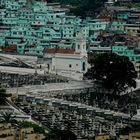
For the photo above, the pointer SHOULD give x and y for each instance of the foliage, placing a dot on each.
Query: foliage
(56, 134)
(37, 129)
(113, 72)
(8, 118)
(129, 128)
(81, 6)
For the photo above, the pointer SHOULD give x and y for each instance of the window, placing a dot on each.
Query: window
(70, 65)
(84, 46)
(83, 66)
(78, 47)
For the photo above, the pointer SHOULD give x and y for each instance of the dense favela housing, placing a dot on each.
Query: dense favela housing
(39, 28)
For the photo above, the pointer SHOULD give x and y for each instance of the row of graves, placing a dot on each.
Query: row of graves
(18, 80)
(83, 120)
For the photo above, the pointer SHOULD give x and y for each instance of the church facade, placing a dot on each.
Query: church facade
(71, 64)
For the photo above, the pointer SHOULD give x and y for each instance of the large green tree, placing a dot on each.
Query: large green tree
(80, 7)
(113, 72)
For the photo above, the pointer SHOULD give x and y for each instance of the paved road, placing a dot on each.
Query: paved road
(71, 85)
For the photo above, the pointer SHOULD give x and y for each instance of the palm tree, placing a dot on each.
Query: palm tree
(7, 117)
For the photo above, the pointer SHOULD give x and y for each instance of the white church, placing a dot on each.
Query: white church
(72, 65)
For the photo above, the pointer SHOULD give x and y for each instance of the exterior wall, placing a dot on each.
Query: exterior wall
(84, 29)
(118, 26)
(68, 31)
(130, 136)
(73, 75)
(12, 5)
(67, 63)
(6, 132)
(20, 48)
(123, 137)
(119, 49)
(123, 15)
(35, 51)
(132, 30)
(81, 45)
(124, 51)
(134, 136)
(29, 134)
(8, 138)
(2, 41)
(25, 131)
(13, 40)
(34, 137)
(102, 137)
(97, 25)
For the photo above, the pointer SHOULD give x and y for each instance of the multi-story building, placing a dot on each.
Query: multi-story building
(132, 29)
(7, 132)
(26, 23)
(125, 51)
(28, 133)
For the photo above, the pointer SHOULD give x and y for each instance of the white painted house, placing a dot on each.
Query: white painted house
(74, 63)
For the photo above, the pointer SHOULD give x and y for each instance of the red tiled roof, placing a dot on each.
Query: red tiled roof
(103, 18)
(10, 48)
(59, 50)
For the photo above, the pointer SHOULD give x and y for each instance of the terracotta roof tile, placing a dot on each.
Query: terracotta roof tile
(59, 50)
(10, 48)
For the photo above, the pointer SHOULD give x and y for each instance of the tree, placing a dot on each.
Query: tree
(36, 128)
(115, 73)
(8, 118)
(80, 7)
(56, 134)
